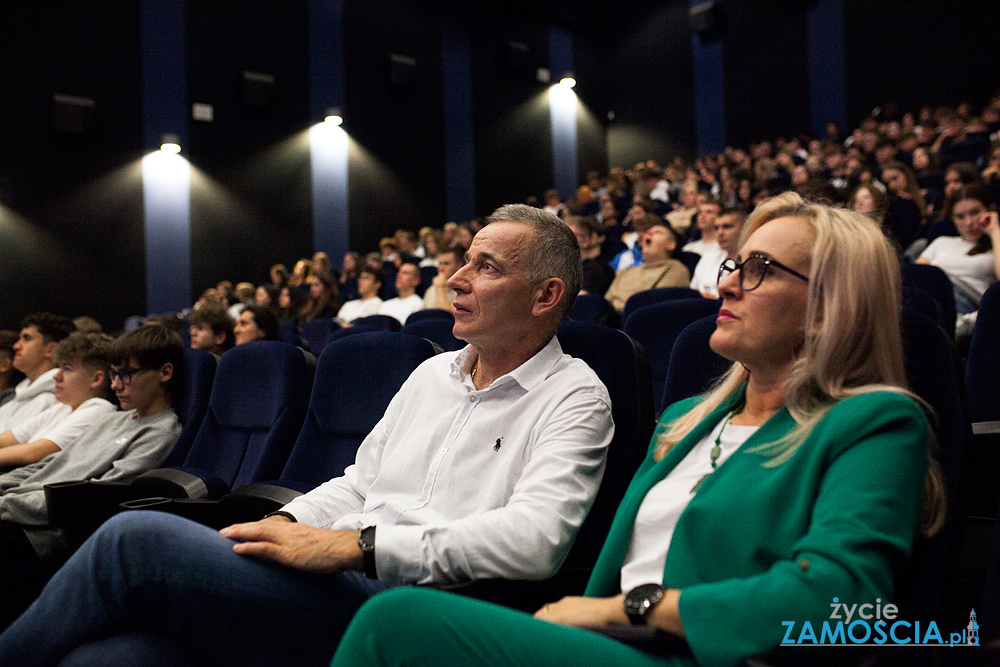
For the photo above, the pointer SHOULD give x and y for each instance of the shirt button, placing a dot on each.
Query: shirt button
(472, 399)
(444, 450)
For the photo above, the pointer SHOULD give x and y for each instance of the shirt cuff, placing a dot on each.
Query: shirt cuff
(397, 554)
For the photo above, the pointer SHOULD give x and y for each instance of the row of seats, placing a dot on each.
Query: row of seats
(433, 324)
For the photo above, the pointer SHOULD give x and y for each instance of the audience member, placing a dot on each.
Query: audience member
(40, 333)
(8, 374)
(369, 283)
(267, 296)
(117, 447)
(243, 294)
(727, 234)
(323, 298)
(348, 279)
(408, 279)
(301, 273)
(256, 323)
(81, 386)
(657, 269)
(439, 295)
(279, 276)
(708, 211)
(290, 303)
(414, 508)
(211, 328)
(87, 324)
(590, 235)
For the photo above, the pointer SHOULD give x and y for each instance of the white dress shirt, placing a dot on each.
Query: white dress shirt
(353, 310)
(467, 484)
(401, 308)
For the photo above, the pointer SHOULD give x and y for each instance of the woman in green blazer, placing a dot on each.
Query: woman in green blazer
(799, 479)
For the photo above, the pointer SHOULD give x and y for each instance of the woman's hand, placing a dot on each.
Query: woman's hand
(990, 224)
(583, 612)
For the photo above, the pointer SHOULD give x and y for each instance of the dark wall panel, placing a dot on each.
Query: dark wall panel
(765, 70)
(70, 204)
(651, 83)
(921, 53)
(397, 175)
(512, 125)
(250, 192)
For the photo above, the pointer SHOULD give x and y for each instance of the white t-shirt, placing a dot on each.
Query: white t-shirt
(401, 308)
(666, 501)
(706, 273)
(971, 275)
(353, 310)
(701, 247)
(60, 424)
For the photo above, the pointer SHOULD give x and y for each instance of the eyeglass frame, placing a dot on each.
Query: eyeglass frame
(730, 265)
(126, 376)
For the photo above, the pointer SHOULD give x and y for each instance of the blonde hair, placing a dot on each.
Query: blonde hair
(852, 342)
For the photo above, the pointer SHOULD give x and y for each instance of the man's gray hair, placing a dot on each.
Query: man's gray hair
(554, 252)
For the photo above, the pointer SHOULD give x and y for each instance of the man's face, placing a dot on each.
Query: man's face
(74, 383)
(727, 233)
(31, 353)
(657, 244)
(447, 264)
(407, 278)
(583, 237)
(367, 285)
(707, 213)
(494, 297)
(203, 338)
(143, 388)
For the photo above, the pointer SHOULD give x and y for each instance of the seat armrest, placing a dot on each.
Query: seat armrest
(253, 501)
(168, 483)
(83, 503)
(985, 428)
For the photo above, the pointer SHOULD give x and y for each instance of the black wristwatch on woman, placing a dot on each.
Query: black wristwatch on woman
(640, 601)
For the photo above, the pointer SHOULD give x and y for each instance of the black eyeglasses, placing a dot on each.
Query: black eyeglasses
(125, 374)
(753, 270)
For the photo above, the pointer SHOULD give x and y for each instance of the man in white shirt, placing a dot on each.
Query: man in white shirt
(369, 283)
(33, 356)
(727, 235)
(407, 281)
(484, 465)
(708, 211)
(81, 384)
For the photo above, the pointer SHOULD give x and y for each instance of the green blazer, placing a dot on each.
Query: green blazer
(759, 545)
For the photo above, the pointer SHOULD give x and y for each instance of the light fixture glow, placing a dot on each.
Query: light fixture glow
(567, 80)
(171, 144)
(333, 116)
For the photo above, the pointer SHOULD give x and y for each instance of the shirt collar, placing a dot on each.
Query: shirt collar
(528, 375)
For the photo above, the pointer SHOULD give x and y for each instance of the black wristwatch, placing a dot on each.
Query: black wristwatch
(366, 540)
(640, 600)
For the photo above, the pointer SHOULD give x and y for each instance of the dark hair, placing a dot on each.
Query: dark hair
(330, 297)
(591, 224)
(272, 292)
(266, 321)
(214, 316)
(150, 346)
(169, 321)
(7, 340)
(981, 195)
(51, 327)
(377, 274)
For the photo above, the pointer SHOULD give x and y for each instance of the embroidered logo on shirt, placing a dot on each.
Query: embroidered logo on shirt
(496, 447)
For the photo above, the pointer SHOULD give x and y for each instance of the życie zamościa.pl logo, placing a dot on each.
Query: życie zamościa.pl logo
(875, 625)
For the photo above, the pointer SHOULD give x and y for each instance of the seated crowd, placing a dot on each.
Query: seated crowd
(805, 473)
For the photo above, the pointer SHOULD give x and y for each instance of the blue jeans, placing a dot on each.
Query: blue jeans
(154, 572)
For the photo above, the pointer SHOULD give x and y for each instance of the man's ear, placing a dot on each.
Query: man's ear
(97, 379)
(219, 338)
(548, 296)
(166, 372)
(50, 348)
(6, 364)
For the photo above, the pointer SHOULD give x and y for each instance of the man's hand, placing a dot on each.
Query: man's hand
(297, 545)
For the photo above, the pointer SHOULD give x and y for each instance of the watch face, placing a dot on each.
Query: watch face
(641, 599)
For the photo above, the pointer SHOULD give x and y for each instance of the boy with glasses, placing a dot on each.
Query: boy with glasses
(117, 447)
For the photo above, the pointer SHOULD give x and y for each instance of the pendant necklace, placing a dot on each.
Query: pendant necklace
(716, 450)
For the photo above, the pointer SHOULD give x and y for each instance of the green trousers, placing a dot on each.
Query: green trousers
(410, 626)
